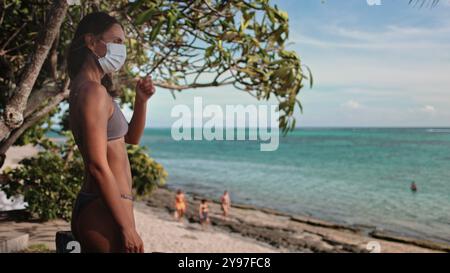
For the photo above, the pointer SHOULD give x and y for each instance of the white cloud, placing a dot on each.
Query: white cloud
(430, 109)
(352, 104)
(406, 64)
(391, 37)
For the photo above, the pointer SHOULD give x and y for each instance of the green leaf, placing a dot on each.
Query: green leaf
(310, 76)
(288, 54)
(145, 16)
(209, 51)
(282, 15)
(171, 21)
(156, 30)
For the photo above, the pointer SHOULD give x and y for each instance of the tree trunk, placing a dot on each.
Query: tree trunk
(31, 119)
(13, 115)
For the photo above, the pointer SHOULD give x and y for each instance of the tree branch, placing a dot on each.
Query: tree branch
(13, 114)
(35, 117)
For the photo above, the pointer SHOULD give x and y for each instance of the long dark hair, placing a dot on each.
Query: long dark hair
(96, 23)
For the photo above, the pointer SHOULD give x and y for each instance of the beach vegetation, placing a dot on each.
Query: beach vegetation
(50, 181)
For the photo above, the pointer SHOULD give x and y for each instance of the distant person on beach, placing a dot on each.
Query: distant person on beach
(413, 187)
(180, 205)
(203, 212)
(103, 217)
(225, 203)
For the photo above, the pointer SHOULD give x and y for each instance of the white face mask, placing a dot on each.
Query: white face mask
(114, 58)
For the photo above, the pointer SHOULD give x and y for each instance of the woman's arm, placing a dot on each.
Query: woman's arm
(144, 90)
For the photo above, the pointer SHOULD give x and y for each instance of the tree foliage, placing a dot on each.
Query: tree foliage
(49, 181)
(184, 44)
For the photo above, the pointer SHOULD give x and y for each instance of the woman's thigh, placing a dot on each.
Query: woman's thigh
(97, 229)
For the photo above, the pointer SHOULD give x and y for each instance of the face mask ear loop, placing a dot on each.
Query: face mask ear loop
(98, 57)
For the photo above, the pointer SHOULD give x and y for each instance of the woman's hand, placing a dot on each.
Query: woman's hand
(145, 89)
(132, 241)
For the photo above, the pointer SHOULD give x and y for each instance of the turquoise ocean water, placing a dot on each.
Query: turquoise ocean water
(350, 176)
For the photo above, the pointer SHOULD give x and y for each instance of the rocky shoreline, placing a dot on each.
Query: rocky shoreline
(292, 233)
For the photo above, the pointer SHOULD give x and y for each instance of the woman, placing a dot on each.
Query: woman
(180, 205)
(203, 212)
(102, 219)
(225, 203)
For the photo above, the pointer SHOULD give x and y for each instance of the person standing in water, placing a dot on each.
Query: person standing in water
(225, 203)
(203, 213)
(180, 205)
(413, 187)
(103, 217)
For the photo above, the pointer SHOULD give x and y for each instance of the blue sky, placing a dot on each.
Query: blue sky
(373, 66)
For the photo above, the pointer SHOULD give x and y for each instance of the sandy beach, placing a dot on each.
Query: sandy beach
(161, 233)
(247, 229)
(158, 230)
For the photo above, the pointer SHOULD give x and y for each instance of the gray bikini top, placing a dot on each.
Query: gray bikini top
(117, 124)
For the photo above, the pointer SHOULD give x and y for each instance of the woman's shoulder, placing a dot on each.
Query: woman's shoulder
(94, 89)
(93, 93)
(92, 98)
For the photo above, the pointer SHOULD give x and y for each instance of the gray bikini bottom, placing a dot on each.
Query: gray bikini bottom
(85, 198)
